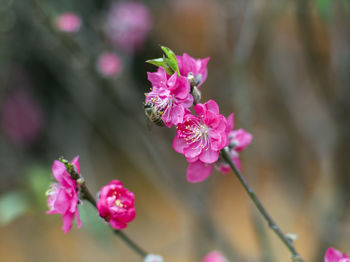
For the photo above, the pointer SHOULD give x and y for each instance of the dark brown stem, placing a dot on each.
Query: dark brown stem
(288, 243)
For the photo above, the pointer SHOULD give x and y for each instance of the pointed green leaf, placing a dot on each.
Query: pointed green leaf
(161, 63)
(156, 62)
(171, 60)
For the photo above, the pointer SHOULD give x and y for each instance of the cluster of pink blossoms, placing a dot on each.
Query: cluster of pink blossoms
(199, 136)
(116, 204)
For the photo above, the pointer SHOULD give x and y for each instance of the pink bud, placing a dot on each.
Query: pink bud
(68, 22)
(109, 64)
(116, 205)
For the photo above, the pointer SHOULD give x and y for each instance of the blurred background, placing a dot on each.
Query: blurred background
(73, 78)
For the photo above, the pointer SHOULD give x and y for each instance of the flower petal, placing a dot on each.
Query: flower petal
(198, 171)
(209, 156)
(67, 221)
(179, 144)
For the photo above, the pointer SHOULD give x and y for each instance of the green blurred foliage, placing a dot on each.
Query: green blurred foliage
(12, 205)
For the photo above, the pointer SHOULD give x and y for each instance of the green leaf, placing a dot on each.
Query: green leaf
(171, 60)
(12, 205)
(156, 62)
(161, 63)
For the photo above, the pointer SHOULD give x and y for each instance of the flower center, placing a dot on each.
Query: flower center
(196, 133)
(118, 203)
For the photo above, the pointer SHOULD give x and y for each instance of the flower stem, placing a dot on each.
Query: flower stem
(130, 243)
(289, 244)
(86, 194)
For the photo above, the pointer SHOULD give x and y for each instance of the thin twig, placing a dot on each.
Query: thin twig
(289, 244)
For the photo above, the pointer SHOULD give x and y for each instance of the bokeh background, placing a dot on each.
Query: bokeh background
(283, 67)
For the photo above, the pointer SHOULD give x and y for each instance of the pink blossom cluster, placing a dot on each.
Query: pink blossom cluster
(200, 136)
(116, 204)
(333, 255)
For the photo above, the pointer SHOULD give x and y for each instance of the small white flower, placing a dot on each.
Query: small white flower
(153, 258)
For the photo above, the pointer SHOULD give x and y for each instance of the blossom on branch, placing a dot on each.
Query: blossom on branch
(169, 96)
(238, 141)
(116, 205)
(63, 196)
(199, 170)
(195, 69)
(200, 138)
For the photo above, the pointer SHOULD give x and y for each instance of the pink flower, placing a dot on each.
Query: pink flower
(116, 204)
(68, 22)
(203, 136)
(333, 255)
(128, 25)
(214, 256)
(63, 196)
(170, 97)
(200, 138)
(197, 68)
(238, 141)
(109, 64)
(21, 118)
(198, 170)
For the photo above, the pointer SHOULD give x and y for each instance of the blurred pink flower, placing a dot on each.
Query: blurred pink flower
(116, 205)
(68, 22)
(109, 64)
(63, 196)
(128, 25)
(333, 255)
(238, 141)
(197, 68)
(214, 256)
(170, 97)
(21, 118)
